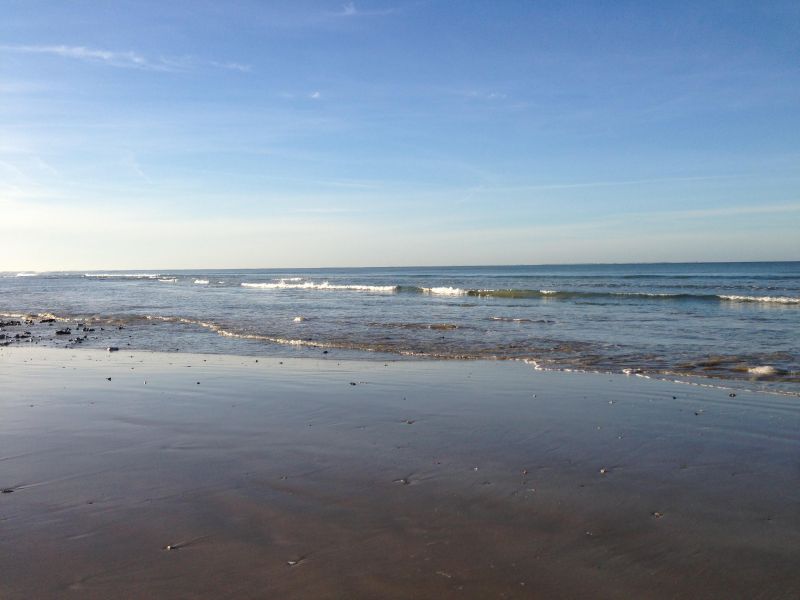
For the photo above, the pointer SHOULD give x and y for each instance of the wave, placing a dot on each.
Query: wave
(32, 316)
(768, 299)
(451, 291)
(431, 326)
(300, 283)
(26, 274)
(521, 320)
(764, 371)
(123, 275)
(568, 294)
(443, 291)
(775, 369)
(310, 285)
(221, 330)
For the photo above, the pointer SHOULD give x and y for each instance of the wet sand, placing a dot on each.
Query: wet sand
(232, 477)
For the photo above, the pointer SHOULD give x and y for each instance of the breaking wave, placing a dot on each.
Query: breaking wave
(767, 299)
(568, 295)
(285, 284)
(123, 275)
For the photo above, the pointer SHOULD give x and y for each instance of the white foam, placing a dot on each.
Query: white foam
(548, 292)
(510, 319)
(769, 299)
(48, 315)
(168, 279)
(27, 274)
(128, 275)
(299, 319)
(201, 281)
(444, 291)
(310, 285)
(763, 371)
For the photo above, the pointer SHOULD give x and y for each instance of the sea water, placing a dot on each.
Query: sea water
(734, 321)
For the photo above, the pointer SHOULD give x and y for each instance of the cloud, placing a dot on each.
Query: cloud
(126, 60)
(116, 59)
(130, 162)
(314, 95)
(349, 10)
(608, 183)
(232, 66)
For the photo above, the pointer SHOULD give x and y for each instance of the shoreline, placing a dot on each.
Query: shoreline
(36, 330)
(324, 478)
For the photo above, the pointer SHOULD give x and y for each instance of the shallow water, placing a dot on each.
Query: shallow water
(721, 320)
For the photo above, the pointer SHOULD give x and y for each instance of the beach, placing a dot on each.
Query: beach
(144, 474)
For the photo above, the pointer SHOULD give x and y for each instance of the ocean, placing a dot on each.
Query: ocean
(716, 321)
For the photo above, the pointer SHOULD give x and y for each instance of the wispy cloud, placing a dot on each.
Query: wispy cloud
(126, 60)
(232, 66)
(115, 59)
(485, 95)
(130, 162)
(621, 183)
(349, 9)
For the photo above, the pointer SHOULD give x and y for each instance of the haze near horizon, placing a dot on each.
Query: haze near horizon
(211, 135)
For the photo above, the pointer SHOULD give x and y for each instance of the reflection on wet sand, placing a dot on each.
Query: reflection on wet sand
(234, 477)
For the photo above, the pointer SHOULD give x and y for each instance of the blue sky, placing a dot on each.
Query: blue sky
(291, 134)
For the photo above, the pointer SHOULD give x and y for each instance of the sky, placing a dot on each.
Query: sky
(247, 134)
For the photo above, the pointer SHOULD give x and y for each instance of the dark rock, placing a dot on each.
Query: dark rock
(65, 331)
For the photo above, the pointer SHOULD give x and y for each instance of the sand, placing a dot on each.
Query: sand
(188, 476)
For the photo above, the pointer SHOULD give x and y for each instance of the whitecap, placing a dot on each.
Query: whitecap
(201, 281)
(768, 299)
(123, 275)
(310, 285)
(763, 371)
(444, 291)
